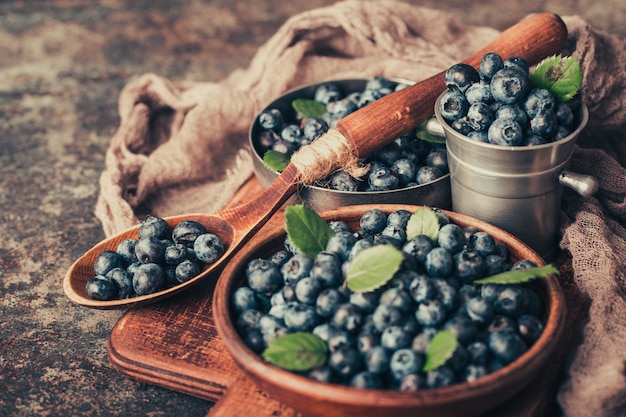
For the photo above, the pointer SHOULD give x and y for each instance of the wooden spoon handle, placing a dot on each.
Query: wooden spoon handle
(381, 121)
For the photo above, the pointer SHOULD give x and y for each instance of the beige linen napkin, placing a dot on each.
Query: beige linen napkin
(182, 147)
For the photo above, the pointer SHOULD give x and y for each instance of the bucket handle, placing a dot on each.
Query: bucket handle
(585, 185)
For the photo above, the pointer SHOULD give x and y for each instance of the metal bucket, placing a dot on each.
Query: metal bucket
(517, 188)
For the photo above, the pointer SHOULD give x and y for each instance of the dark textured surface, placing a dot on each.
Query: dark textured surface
(62, 65)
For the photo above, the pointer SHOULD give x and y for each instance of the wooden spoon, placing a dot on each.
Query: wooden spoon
(363, 131)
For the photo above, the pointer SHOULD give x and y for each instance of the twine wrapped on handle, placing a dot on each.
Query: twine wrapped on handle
(328, 153)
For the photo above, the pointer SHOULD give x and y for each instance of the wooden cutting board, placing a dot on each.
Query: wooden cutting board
(174, 344)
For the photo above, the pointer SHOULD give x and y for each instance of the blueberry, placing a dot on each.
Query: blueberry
(266, 140)
(447, 293)
(399, 218)
(101, 288)
(296, 268)
(438, 158)
(150, 250)
(208, 247)
(347, 317)
(358, 246)
(289, 293)
(271, 327)
(501, 322)
(342, 181)
(438, 262)
(544, 124)
(459, 77)
(483, 243)
(523, 264)
(327, 268)
(453, 105)
(382, 179)
(480, 310)
(366, 301)
(430, 313)
(505, 132)
(412, 383)
(187, 231)
(468, 265)
(479, 93)
(366, 380)
(126, 249)
(564, 115)
(561, 133)
(321, 374)
(292, 133)
(285, 147)
(459, 359)
(494, 264)
(462, 125)
(405, 362)
(405, 170)
(123, 280)
(346, 362)
(243, 298)
(509, 85)
(479, 136)
(427, 174)
(307, 290)
(339, 339)
(280, 258)
(148, 279)
(175, 254)
(388, 154)
(369, 96)
(490, 63)
(422, 288)
(312, 128)
(517, 62)
(377, 359)
(271, 119)
(106, 261)
(248, 321)
(300, 317)
(373, 221)
(506, 345)
(152, 226)
(529, 328)
(186, 270)
(394, 337)
(473, 372)
(512, 111)
(327, 93)
(512, 301)
(419, 247)
(341, 244)
(367, 340)
(442, 376)
(452, 238)
(328, 301)
(385, 315)
(538, 100)
(478, 352)
(254, 340)
(480, 116)
(264, 277)
(397, 297)
(342, 108)
(421, 341)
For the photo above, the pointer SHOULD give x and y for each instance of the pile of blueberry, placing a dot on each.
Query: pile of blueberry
(161, 257)
(497, 104)
(405, 162)
(380, 338)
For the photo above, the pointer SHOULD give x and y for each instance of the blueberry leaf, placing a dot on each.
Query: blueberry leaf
(422, 134)
(423, 222)
(298, 351)
(519, 276)
(306, 229)
(373, 267)
(440, 349)
(309, 108)
(276, 161)
(561, 75)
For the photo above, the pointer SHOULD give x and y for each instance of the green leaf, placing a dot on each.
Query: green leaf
(373, 267)
(422, 134)
(440, 349)
(306, 229)
(276, 161)
(309, 108)
(519, 276)
(561, 75)
(298, 351)
(423, 222)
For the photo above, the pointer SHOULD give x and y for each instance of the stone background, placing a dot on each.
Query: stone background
(62, 65)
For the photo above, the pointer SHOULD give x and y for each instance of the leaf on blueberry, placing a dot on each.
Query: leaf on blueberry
(372, 267)
(422, 134)
(561, 75)
(440, 349)
(519, 276)
(309, 108)
(423, 222)
(276, 161)
(306, 229)
(298, 351)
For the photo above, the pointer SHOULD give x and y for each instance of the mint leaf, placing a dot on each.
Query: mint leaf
(440, 349)
(561, 75)
(306, 229)
(373, 267)
(519, 276)
(276, 161)
(422, 134)
(423, 222)
(309, 108)
(296, 351)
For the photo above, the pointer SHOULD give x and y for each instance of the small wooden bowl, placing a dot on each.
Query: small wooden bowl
(329, 400)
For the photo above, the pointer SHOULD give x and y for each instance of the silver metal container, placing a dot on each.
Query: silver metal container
(517, 188)
(434, 194)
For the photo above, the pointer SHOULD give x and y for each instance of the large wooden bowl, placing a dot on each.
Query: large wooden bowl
(329, 400)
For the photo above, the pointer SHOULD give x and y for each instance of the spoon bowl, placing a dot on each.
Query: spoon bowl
(356, 135)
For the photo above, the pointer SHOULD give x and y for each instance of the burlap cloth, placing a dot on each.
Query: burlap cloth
(182, 147)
